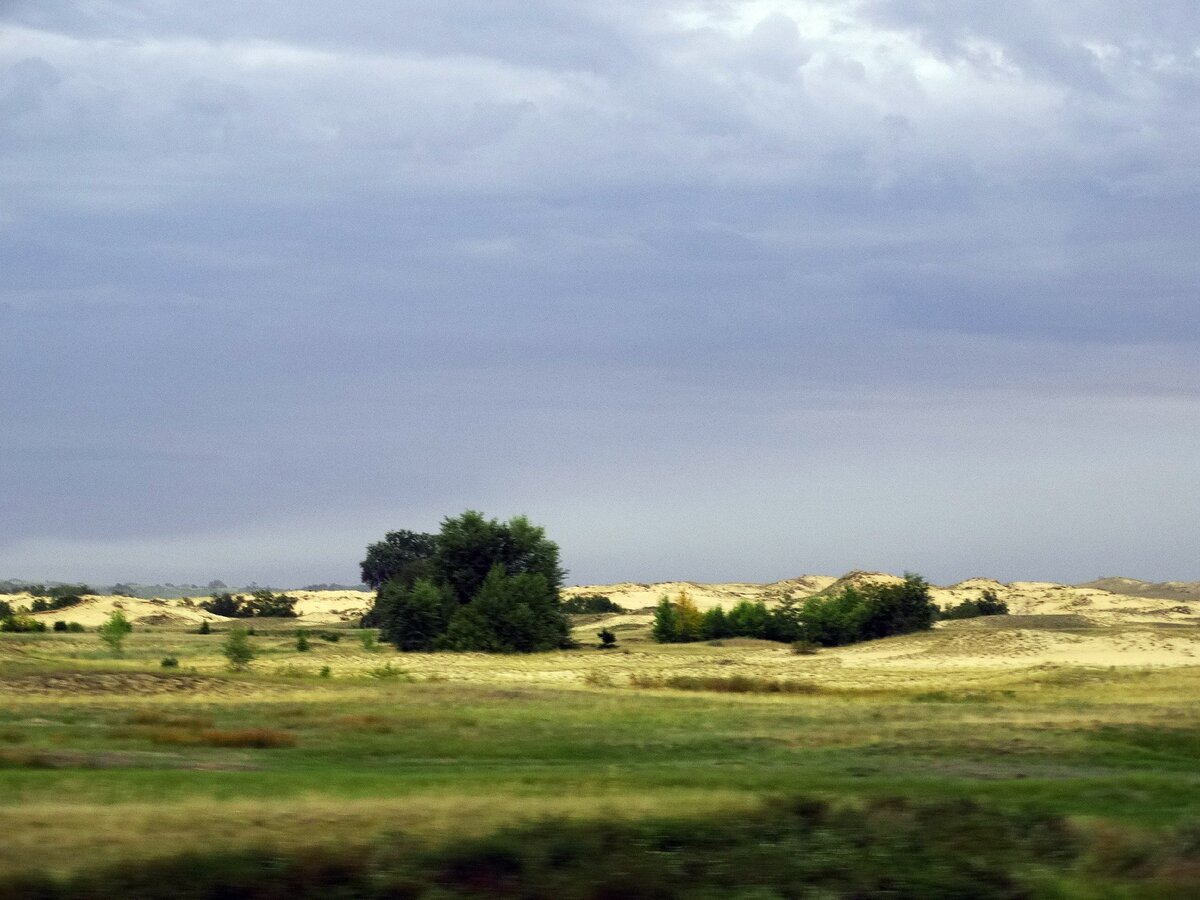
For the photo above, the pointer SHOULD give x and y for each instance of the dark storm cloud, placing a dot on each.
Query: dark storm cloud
(276, 278)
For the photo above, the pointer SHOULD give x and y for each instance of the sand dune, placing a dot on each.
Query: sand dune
(1096, 605)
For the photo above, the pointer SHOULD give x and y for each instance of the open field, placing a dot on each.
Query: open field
(1091, 716)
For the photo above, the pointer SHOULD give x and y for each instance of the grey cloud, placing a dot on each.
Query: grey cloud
(585, 262)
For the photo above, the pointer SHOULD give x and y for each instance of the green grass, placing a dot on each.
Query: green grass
(105, 760)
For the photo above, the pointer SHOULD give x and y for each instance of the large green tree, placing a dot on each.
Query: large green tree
(484, 585)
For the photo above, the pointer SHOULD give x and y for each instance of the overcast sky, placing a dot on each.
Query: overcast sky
(711, 290)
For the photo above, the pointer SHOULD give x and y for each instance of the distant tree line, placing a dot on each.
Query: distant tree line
(477, 585)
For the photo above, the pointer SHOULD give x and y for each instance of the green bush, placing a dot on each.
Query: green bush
(988, 604)
(261, 604)
(237, 649)
(60, 625)
(867, 613)
(21, 624)
(115, 630)
(590, 604)
(169, 662)
(302, 644)
(608, 640)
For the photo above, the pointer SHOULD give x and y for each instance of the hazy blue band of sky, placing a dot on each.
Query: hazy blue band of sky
(715, 291)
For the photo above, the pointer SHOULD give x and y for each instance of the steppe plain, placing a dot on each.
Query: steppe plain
(1084, 703)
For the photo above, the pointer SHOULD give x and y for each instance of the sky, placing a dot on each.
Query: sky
(725, 291)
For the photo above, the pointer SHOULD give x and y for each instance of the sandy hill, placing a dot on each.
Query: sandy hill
(1161, 590)
(1104, 602)
(312, 607)
(1025, 598)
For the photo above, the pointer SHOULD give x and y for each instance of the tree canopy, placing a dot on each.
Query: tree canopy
(401, 555)
(478, 584)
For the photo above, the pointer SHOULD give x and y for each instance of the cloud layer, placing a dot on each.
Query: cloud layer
(714, 290)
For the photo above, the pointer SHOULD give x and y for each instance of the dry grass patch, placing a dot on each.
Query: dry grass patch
(731, 684)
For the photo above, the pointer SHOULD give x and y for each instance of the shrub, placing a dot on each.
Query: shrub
(608, 640)
(325, 672)
(867, 613)
(331, 636)
(387, 671)
(60, 625)
(6, 609)
(302, 644)
(21, 624)
(75, 628)
(262, 603)
(368, 641)
(592, 604)
(114, 631)
(237, 649)
(169, 662)
(204, 628)
(988, 604)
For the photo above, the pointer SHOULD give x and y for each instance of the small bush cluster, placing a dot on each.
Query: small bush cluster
(261, 604)
(18, 624)
(988, 604)
(855, 614)
(590, 604)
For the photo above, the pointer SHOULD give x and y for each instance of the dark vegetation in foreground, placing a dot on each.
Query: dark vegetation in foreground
(796, 848)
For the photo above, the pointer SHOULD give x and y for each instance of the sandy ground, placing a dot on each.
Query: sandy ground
(1051, 625)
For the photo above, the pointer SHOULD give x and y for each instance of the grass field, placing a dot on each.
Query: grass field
(119, 762)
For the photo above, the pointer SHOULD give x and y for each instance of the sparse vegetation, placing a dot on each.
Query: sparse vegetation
(260, 604)
(114, 631)
(19, 624)
(590, 604)
(237, 649)
(988, 604)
